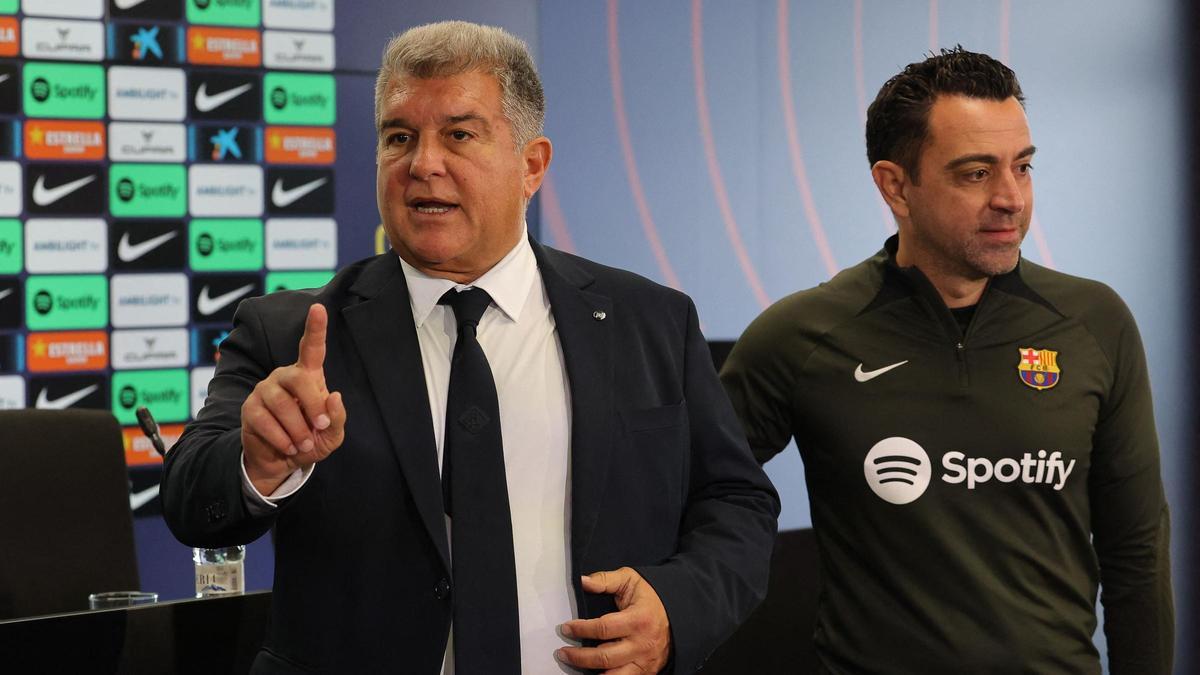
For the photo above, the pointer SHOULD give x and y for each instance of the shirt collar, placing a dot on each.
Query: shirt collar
(508, 282)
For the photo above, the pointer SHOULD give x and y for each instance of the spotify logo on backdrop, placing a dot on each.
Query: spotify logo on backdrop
(204, 244)
(897, 470)
(43, 302)
(279, 98)
(125, 189)
(40, 89)
(128, 397)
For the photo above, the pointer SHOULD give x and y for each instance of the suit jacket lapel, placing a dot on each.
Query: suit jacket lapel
(583, 320)
(383, 330)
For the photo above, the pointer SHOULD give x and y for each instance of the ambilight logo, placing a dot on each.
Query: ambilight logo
(898, 470)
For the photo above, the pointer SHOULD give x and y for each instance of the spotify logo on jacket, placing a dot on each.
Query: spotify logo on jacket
(898, 470)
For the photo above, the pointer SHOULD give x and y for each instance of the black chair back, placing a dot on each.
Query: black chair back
(66, 529)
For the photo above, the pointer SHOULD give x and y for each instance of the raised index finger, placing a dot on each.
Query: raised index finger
(312, 343)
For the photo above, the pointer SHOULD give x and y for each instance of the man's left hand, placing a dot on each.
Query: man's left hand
(636, 639)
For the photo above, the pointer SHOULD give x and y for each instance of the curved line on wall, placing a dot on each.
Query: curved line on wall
(793, 136)
(1005, 22)
(732, 231)
(635, 181)
(553, 217)
(933, 26)
(1039, 240)
(860, 87)
(1035, 225)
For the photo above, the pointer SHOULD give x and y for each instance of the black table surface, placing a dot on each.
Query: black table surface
(210, 635)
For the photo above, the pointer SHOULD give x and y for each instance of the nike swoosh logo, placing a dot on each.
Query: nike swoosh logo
(206, 305)
(128, 4)
(43, 196)
(205, 102)
(62, 402)
(6, 292)
(283, 198)
(4, 77)
(142, 497)
(129, 252)
(861, 376)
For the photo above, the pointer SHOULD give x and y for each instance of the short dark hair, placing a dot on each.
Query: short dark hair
(898, 119)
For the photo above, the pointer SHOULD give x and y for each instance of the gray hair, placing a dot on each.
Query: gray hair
(451, 48)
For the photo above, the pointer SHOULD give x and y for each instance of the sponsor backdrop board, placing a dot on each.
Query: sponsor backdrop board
(160, 161)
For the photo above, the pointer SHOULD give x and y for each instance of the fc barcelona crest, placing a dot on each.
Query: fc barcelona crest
(1038, 368)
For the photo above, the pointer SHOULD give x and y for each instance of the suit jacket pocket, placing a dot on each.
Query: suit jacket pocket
(649, 419)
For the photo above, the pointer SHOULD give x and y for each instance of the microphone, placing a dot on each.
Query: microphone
(150, 428)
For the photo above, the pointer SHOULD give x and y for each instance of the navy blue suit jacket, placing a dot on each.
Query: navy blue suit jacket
(662, 479)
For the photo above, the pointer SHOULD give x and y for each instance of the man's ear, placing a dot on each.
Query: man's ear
(891, 179)
(536, 156)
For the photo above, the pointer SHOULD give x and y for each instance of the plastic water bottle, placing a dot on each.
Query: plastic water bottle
(220, 571)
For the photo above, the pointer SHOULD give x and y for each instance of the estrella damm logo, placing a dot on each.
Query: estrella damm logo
(226, 244)
(10, 36)
(299, 99)
(62, 90)
(148, 190)
(68, 351)
(300, 145)
(58, 139)
(224, 46)
(1038, 368)
(164, 392)
(66, 301)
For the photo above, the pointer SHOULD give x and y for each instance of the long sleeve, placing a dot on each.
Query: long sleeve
(204, 503)
(719, 572)
(1130, 520)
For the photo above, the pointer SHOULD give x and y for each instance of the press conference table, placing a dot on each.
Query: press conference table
(213, 635)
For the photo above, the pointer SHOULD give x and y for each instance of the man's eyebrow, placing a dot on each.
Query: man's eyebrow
(468, 117)
(452, 119)
(393, 122)
(984, 158)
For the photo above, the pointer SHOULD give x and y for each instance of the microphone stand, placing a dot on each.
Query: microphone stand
(219, 571)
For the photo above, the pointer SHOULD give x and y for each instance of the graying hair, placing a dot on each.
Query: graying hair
(451, 48)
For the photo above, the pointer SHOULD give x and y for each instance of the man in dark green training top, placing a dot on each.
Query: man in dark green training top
(977, 431)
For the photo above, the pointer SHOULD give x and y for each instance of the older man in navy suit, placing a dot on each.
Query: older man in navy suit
(478, 454)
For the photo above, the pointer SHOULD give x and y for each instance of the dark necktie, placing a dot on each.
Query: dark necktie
(486, 632)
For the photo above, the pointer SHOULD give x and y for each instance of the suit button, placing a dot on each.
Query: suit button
(441, 590)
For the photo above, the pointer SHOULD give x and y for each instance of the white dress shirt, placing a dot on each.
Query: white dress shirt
(523, 349)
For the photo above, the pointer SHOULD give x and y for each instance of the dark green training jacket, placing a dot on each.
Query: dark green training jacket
(969, 491)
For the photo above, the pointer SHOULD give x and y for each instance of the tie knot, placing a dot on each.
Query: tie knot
(468, 305)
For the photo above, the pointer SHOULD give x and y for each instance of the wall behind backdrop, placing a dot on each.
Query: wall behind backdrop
(712, 146)
(717, 146)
